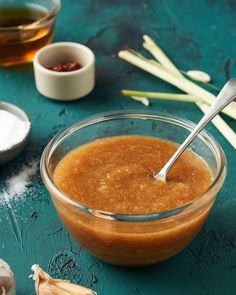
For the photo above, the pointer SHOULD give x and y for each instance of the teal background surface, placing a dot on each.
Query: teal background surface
(196, 35)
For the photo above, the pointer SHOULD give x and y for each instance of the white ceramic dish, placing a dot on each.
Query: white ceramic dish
(64, 86)
(13, 151)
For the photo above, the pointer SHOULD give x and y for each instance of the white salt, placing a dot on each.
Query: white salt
(17, 184)
(12, 130)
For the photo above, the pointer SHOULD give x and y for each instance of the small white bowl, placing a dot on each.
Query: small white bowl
(64, 86)
(13, 151)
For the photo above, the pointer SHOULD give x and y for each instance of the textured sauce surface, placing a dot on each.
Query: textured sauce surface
(116, 175)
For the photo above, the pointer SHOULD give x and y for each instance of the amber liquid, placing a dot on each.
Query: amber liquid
(116, 175)
(19, 45)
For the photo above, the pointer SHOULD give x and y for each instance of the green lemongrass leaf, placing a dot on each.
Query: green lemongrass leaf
(179, 82)
(164, 60)
(171, 74)
(157, 64)
(161, 95)
(168, 65)
(141, 56)
(159, 54)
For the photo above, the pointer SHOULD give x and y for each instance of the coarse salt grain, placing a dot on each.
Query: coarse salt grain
(17, 184)
(12, 130)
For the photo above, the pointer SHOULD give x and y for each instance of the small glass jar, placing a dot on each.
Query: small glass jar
(127, 239)
(25, 27)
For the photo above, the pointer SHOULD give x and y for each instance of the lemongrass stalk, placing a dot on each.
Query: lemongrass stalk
(161, 73)
(151, 61)
(221, 125)
(181, 83)
(162, 66)
(160, 56)
(142, 57)
(168, 65)
(161, 95)
(138, 54)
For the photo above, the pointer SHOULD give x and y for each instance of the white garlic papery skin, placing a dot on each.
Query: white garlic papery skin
(45, 285)
(199, 76)
(7, 282)
(143, 100)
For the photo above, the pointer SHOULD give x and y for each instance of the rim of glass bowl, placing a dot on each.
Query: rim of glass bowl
(52, 13)
(206, 137)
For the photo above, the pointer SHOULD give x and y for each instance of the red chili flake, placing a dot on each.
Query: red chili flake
(66, 67)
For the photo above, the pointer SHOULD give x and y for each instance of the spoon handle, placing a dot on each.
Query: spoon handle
(226, 95)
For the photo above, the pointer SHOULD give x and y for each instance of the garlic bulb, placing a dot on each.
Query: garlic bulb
(45, 285)
(7, 282)
(199, 76)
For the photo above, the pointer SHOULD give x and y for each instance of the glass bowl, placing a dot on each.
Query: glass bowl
(126, 239)
(25, 27)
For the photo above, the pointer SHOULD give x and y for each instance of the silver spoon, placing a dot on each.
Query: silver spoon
(226, 95)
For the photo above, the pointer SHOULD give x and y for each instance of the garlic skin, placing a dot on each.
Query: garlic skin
(45, 285)
(143, 100)
(7, 282)
(199, 76)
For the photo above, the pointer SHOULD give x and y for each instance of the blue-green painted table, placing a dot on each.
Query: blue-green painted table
(197, 35)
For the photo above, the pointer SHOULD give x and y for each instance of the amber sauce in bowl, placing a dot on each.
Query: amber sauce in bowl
(106, 195)
(116, 175)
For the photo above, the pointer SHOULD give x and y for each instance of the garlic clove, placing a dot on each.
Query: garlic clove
(45, 285)
(199, 76)
(143, 100)
(7, 282)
